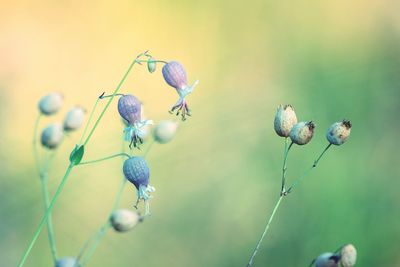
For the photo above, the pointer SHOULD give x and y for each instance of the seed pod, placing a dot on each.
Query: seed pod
(67, 262)
(302, 132)
(51, 103)
(151, 65)
(129, 107)
(327, 259)
(52, 136)
(339, 132)
(285, 118)
(123, 220)
(165, 131)
(175, 75)
(74, 119)
(348, 256)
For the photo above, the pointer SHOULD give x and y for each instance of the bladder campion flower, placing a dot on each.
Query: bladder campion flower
(137, 172)
(348, 255)
(129, 107)
(51, 103)
(165, 131)
(339, 132)
(285, 119)
(123, 220)
(52, 135)
(67, 262)
(175, 76)
(302, 132)
(74, 119)
(327, 259)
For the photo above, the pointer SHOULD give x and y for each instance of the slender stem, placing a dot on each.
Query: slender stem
(265, 230)
(284, 168)
(105, 158)
(89, 120)
(106, 96)
(157, 61)
(97, 238)
(305, 174)
(46, 215)
(34, 142)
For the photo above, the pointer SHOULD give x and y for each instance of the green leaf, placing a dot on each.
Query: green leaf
(76, 155)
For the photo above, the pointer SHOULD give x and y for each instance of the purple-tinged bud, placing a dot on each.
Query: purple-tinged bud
(285, 118)
(137, 172)
(165, 131)
(327, 260)
(67, 262)
(129, 107)
(175, 76)
(123, 220)
(74, 119)
(339, 132)
(151, 65)
(348, 256)
(52, 136)
(302, 132)
(51, 103)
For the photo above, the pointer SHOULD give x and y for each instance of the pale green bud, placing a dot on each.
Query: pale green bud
(52, 136)
(51, 103)
(302, 132)
(348, 256)
(123, 220)
(165, 131)
(151, 65)
(339, 132)
(74, 119)
(285, 119)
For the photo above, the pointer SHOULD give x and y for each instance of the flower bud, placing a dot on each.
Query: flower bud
(165, 131)
(123, 220)
(74, 119)
(51, 103)
(52, 136)
(339, 132)
(67, 262)
(129, 107)
(348, 255)
(302, 132)
(285, 118)
(327, 259)
(151, 65)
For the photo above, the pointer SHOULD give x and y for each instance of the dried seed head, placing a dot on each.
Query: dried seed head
(123, 220)
(285, 118)
(51, 103)
(151, 65)
(327, 260)
(348, 256)
(165, 131)
(339, 132)
(67, 262)
(52, 135)
(74, 119)
(129, 107)
(302, 132)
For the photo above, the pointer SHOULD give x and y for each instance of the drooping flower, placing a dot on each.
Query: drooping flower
(52, 136)
(129, 107)
(51, 103)
(74, 119)
(339, 132)
(175, 76)
(67, 262)
(165, 131)
(302, 132)
(137, 172)
(284, 121)
(123, 220)
(327, 259)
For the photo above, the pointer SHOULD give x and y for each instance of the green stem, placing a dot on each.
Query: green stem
(46, 215)
(305, 174)
(156, 61)
(89, 120)
(97, 238)
(265, 231)
(106, 158)
(34, 143)
(284, 168)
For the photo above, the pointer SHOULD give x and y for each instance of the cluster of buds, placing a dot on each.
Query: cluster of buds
(345, 257)
(53, 134)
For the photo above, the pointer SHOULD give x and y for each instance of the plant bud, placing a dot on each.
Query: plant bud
(123, 220)
(52, 136)
(327, 260)
(339, 132)
(51, 103)
(74, 119)
(285, 118)
(129, 107)
(151, 65)
(67, 262)
(165, 131)
(302, 132)
(348, 256)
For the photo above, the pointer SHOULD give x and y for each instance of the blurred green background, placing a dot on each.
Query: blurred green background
(219, 179)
